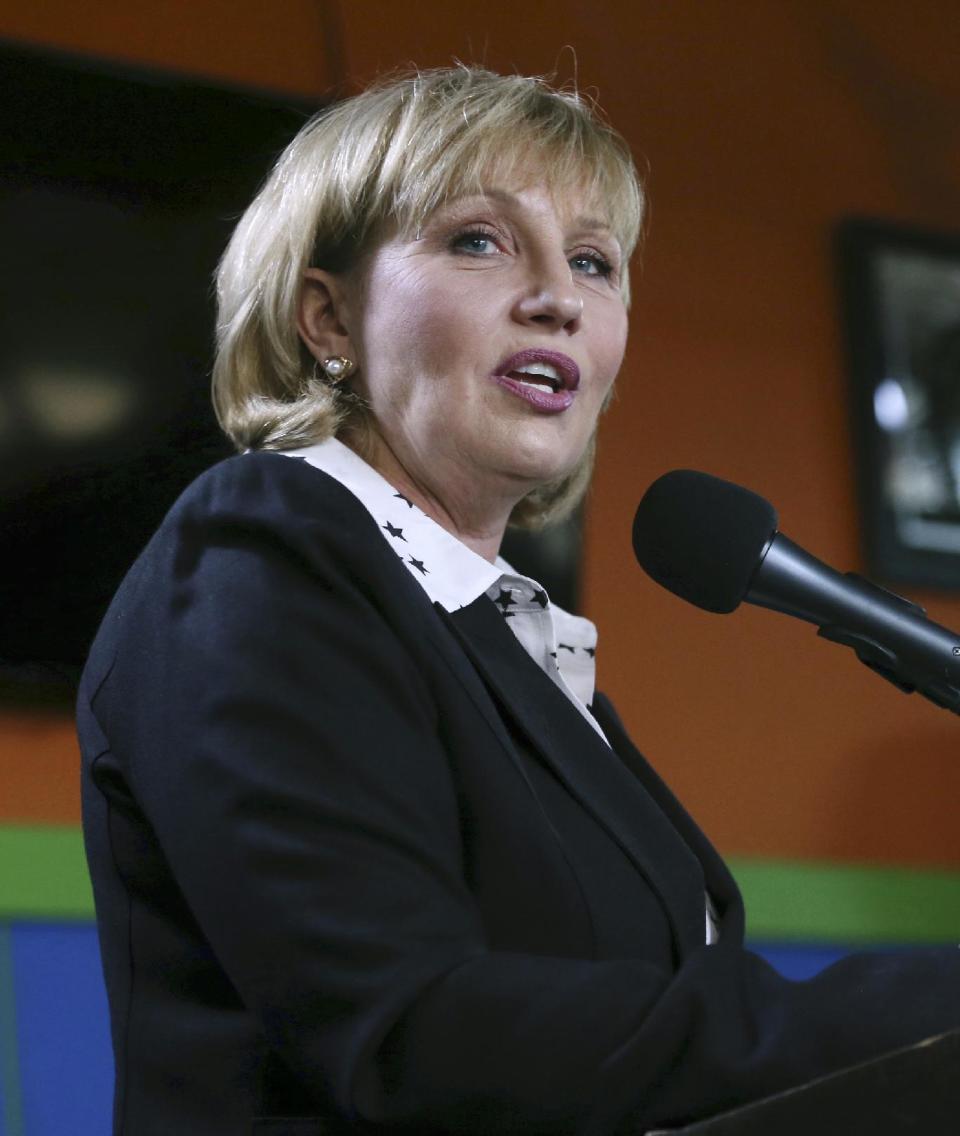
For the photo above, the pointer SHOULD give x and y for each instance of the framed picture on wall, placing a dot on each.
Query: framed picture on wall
(900, 292)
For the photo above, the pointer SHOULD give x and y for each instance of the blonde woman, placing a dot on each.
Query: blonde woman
(369, 852)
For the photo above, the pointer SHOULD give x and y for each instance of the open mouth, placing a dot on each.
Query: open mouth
(546, 371)
(546, 380)
(540, 376)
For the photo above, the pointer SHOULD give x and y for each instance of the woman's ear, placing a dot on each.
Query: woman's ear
(322, 315)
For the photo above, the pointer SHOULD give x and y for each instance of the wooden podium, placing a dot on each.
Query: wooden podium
(912, 1090)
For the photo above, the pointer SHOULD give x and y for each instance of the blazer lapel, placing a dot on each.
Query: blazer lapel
(562, 738)
(720, 883)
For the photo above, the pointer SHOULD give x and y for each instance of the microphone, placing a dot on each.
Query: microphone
(716, 545)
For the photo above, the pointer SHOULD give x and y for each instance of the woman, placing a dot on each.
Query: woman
(366, 848)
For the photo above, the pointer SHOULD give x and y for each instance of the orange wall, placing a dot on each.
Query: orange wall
(761, 123)
(280, 47)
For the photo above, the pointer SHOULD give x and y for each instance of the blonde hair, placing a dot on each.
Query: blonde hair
(389, 157)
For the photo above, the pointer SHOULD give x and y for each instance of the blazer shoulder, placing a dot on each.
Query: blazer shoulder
(248, 520)
(273, 487)
(281, 505)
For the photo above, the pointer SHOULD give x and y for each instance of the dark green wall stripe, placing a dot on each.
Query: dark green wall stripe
(43, 875)
(9, 1066)
(848, 903)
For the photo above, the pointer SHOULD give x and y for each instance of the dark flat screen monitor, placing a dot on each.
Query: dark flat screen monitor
(118, 192)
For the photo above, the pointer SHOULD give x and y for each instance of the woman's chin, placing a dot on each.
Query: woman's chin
(532, 470)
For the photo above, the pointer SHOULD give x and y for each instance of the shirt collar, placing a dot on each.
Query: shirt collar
(451, 574)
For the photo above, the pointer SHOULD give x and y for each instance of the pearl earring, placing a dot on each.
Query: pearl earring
(337, 368)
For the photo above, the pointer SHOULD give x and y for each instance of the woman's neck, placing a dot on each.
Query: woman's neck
(476, 520)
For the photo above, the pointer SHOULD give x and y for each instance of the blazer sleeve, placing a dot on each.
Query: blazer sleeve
(284, 746)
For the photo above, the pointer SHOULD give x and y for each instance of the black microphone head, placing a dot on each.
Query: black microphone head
(702, 538)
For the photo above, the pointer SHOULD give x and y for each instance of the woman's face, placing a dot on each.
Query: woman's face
(488, 342)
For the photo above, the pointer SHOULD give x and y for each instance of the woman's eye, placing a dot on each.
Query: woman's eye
(475, 243)
(590, 264)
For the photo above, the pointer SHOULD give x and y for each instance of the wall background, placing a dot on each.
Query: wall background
(762, 122)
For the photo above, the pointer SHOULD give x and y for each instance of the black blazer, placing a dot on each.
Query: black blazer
(359, 860)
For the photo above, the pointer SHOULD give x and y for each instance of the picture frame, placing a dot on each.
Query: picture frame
(900, 303)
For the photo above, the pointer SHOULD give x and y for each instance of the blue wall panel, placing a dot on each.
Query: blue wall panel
(804, 960)
(10, 1124)
(799, 960)
(65, 1060)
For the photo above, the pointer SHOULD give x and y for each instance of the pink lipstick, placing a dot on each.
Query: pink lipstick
(547, 380)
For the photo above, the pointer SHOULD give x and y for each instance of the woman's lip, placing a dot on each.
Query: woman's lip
(547, 402)
(565, 367)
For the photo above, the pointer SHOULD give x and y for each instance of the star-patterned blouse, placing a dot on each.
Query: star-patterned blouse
(453, 575)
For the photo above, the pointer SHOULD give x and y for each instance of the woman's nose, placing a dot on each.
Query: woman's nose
(551, 299)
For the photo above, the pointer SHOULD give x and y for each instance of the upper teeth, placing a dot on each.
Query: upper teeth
(543, 376)
(544, 369)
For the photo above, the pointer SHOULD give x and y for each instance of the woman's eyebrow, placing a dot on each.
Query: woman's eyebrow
(588, 226)
(594, 224)
(581, 222)
(488, 194)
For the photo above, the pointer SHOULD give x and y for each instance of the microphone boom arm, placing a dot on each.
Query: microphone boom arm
(915, 654)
